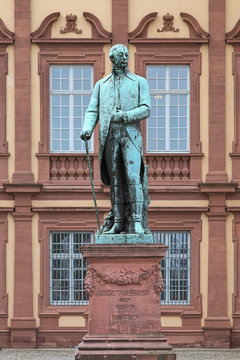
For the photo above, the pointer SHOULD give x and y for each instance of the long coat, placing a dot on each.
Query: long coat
(135, 101)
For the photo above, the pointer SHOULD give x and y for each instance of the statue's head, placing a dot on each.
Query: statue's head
(119, 56)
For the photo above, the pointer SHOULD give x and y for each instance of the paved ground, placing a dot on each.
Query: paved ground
(67, 354)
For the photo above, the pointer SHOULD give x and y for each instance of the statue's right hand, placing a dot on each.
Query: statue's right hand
(85, 135)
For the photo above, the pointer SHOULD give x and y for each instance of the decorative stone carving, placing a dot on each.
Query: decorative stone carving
(125, 276)
(168, 24)
(98, 30)
(44, 30)
(235, 32)
(43, 33)
(195, 30)
(71, 25)
(142, 28)
(5, 34)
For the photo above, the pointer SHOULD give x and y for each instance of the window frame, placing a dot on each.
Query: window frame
(71, 256)
(194, 117)
(79, 220)
(167, 268)
(168, 92)
(71, 92)
(177, 220)
(90, 54)
(160, 52)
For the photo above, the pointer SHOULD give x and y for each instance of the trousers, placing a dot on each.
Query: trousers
(122, 158)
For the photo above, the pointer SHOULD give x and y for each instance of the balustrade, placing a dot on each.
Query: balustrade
(168, 168)
(71, 168)
(74, 168)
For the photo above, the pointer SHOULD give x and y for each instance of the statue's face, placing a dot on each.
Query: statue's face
(120, 57)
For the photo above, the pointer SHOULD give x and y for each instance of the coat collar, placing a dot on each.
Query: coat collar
(128, 74)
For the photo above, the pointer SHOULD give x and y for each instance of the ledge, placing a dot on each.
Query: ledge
(71, 41)
(123, 251)
(218, 187)
(22, 188)
(168, 40)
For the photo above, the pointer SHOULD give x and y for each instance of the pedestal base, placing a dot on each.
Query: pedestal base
(124, 283)
(124, 239)
(126, 355)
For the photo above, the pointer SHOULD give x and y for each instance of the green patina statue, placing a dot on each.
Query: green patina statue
(119, 101)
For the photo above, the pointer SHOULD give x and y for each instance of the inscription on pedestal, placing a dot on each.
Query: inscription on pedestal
(122, 293)
(121, 296)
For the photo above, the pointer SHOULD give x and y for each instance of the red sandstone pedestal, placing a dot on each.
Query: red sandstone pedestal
(124, 283)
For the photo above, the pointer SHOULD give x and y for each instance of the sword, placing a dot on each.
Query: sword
(91, 178)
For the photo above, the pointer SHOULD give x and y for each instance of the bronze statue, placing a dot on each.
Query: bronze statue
(120, 101)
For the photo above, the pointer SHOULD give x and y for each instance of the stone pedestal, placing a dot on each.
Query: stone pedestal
(124, 283)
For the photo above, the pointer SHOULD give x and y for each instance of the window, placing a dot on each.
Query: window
(67, 268)
(70, 92)
(175, 267)
(168, 126)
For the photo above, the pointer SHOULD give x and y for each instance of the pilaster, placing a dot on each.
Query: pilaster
(217, 323)
(23, 173)
(120, 22)
(217, 171)
(23, 326)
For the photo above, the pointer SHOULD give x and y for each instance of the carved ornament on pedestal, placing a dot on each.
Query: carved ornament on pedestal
(124, 276)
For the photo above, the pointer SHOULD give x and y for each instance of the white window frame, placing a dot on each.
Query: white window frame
(71, 92)
(71, 256)
(167, 93)
(165, 238)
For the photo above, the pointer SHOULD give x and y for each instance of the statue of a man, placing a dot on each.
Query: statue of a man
(119, 101)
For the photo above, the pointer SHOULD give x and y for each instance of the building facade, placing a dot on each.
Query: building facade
(51, 54)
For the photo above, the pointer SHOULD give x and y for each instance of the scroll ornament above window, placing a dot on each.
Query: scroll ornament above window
(195, 30)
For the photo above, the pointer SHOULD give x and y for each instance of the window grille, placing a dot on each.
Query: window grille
(168, 126)
(176, 270)
(70, 92)
(67, 268)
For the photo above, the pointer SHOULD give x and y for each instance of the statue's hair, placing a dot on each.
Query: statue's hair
(114, 48)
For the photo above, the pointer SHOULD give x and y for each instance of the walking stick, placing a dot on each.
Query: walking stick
(91, 178)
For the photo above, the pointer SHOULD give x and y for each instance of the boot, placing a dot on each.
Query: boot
(135, 196)
(119, 225)
(136, 210)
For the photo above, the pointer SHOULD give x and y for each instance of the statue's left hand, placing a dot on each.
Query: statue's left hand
(118, 116)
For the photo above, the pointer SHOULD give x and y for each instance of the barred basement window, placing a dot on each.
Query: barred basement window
(70, 93)
(176, 269)
(168, 126)
(67, 268)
